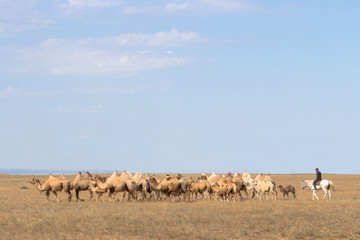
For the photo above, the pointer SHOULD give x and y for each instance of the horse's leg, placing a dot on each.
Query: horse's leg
(314, 195)
(329, 194)
(325, 193)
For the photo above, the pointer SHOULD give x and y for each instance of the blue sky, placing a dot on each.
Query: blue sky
(180, 86)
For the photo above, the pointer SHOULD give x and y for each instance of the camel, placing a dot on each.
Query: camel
(115, 183)
(93, 186)
(223, 190)
(53, 185)
(81, 183)
(142, 185)
(153, 182)
(264, 188)
(240, 185)
(171, 186)
(248, 180)
(197, 188)
(286, 190)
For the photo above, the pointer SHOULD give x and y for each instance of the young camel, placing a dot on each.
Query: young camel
(286, 190)
(96, 189)
(53, 185)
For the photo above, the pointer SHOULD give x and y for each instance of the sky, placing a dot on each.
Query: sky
(180, 85)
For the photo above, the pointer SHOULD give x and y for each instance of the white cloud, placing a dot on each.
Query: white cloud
(121, 55)
(19, 15)
(173, 38)
(194, 6)
(90, 3)
(95, 89)
(20, 92)
(177, 7)
(93, 109)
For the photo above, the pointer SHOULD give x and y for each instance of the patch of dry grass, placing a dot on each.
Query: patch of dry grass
(26, 215)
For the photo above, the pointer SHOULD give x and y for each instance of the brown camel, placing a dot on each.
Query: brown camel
(201, 187)
(286, 190)
(81, 183)
(53, 185)
(172, 186)
(223, 190)
(240, 185)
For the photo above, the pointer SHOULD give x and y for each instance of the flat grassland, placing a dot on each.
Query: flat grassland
(24, 214)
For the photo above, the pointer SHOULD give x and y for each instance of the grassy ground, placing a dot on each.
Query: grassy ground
(24, 214)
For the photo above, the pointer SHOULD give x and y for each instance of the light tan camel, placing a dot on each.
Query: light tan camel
(115, 183)
(172, 186)
(53, 185)
(196, 189)
(265, 188)
(93, 185)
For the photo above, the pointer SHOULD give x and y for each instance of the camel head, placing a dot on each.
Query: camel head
(179, 176)
(153, 179)
(93, 183)
(98, 177)
(34, 181)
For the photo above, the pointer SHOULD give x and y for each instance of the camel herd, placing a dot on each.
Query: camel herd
(140, 187)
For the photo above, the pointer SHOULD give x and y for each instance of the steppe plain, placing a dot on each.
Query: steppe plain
(24, 214)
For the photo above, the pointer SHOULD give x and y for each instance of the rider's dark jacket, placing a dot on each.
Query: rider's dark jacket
(318, 176)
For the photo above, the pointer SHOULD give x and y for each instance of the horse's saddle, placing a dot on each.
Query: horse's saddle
(318, 183)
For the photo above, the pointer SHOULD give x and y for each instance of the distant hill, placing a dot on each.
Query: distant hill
(47, 171)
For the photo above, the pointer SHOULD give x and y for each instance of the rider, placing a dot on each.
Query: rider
(318, 177)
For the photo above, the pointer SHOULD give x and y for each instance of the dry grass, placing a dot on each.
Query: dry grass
(25, 215)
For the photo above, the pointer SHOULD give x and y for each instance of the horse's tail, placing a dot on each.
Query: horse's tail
(332, 186)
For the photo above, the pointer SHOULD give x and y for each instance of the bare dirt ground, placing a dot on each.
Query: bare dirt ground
(24, 214)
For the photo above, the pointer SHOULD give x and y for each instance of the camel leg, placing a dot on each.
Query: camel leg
(69, 195)
(91, 195)
(47, 193)
(56, 198)
(77, 194)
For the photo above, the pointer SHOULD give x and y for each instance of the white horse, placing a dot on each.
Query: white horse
(325, 185)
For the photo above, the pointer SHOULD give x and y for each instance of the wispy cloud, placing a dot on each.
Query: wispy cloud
(87, 90)
(90, 3)
(193, 6)
(19, 15)
(104, 56)
(93, 109)
(172, 38)
(30, 92)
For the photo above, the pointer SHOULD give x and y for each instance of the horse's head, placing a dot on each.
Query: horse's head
(303, 185)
